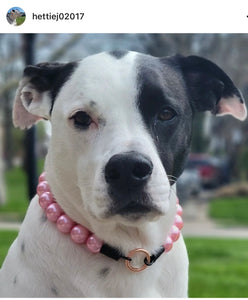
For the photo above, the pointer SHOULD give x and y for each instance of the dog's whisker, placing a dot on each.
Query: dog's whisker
(172, 177)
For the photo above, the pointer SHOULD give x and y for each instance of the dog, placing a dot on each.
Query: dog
(13, 15)
(121, 132)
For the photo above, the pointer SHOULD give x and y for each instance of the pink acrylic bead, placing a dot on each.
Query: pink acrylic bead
(178, 222)
(43, 187)
(94, 244)
(179, 210)
(53, 212)
(177, 202)
(79, 234)
(65, 224)
(45, 199)
(175, 233)
(168, 244)
(42, 177)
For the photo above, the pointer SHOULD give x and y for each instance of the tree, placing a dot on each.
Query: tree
(30, 137)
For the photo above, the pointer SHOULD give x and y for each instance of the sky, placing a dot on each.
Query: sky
(16, 7)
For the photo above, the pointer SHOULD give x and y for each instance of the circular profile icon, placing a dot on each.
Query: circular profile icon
(16, 16)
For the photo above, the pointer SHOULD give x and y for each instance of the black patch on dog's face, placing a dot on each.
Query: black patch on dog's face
(186, 85)
(162, 87)
(118, 53)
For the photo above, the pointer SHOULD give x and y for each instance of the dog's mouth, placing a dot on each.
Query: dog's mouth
(136, 211)
(135, 208)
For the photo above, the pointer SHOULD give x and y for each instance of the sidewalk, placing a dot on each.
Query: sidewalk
(10, 225)
(198, 224)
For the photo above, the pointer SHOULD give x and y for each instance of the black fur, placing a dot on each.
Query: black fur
(187, 85)
(118, 53)
(104, 272)
(15, 280)
(206, 82)
(162, 86)
(23, 247)
(54, 290)
(43, 218)
(50, 77)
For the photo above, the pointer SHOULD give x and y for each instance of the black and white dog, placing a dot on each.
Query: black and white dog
(12, 16)
(121, 131)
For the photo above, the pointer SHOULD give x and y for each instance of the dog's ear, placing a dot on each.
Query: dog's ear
(37, 91)
(210, 88)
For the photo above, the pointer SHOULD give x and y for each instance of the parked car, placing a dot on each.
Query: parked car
(188, 184)
(213, 171)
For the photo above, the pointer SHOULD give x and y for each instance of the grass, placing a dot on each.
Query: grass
(20, 20)
(229, 211)
(16, 205)
(17, 199)
(218, 267)
(6, 239)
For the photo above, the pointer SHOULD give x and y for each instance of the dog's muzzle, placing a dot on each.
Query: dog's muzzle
(127, 175)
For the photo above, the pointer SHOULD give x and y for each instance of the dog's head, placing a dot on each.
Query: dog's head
(13, 14)
(121, 126)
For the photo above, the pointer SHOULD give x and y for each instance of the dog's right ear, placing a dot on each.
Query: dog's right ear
(37, 91)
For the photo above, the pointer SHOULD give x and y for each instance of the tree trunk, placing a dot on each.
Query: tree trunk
(30, 138)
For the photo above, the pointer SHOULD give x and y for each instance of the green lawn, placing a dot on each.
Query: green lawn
(20, 20)
(17, 197)
(218, 267)
(230, 211)
(17, 200)
(6, 239)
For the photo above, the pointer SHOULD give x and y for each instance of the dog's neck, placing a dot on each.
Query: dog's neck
(81, 235)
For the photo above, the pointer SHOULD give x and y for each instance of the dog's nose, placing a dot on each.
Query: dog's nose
(127, 171)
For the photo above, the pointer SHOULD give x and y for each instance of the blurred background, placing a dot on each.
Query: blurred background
(213, 189)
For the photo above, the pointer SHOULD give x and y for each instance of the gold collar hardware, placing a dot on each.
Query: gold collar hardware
(131, 253)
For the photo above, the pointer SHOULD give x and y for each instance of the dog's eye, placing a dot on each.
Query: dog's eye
(166, 114)
(81, 120)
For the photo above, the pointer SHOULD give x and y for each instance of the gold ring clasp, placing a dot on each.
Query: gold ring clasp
(132, 253)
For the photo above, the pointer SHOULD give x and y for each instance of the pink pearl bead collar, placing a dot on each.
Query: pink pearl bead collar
(80, 234)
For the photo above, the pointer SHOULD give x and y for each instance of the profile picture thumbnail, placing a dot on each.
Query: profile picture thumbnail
(16, 16)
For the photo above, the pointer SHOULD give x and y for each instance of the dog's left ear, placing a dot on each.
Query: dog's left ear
(210, 88)
(37, 91)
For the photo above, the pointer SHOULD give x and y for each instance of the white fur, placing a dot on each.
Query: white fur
(42, 262)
